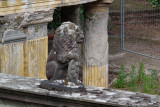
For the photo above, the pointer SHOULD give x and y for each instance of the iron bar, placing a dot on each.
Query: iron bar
(116, 13)
(121, 49)
(139, 17)
(138, 53)
(140, 22)
(123, 22)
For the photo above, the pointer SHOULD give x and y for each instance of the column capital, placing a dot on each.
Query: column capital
(97, 6)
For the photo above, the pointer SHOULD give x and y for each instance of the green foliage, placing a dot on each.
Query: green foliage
(132, 76)
(147, 84)
(150, 82)
(56, 19)
(139, 81)
(154, 78)
(121, 81)
(154, 74)
(154, 3)
(141, 72)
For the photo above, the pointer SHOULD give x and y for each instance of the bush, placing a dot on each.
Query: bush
(121, 81)
(132, 76)
(154, 3)
(141, 72)
(140, 82)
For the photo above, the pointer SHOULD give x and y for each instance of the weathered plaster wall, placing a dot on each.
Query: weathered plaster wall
(36, 31)
(26, 50)
(25, 58)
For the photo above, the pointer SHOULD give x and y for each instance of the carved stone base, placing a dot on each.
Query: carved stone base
(59, 85)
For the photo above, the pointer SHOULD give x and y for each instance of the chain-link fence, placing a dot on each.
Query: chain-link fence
(134, 29)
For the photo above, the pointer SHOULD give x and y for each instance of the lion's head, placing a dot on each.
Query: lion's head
(70, 29)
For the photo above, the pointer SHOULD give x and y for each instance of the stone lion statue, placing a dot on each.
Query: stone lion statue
(64, 59)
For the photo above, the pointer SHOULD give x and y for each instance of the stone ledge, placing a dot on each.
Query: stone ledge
(11, 7)
(31, 23)
(107, 1)
(27, 89)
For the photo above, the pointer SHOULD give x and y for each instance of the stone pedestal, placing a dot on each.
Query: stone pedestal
(24, 43)
(95, 70)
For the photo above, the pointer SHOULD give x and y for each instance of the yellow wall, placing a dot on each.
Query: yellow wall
(25, 58)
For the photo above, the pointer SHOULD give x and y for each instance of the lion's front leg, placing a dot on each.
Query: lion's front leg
(73, 71)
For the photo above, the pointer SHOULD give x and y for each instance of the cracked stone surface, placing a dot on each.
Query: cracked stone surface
(94, 94)
(19, 20)
(32, 24)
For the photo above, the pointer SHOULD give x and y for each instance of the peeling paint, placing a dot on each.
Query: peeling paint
(95, 75)
(25, 58)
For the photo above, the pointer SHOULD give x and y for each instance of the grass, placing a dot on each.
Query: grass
(138, 82)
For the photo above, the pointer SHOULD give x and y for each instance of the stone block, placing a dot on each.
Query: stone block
(13, 35)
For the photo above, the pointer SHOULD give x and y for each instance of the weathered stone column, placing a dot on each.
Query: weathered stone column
(71, 13)
(95, 70)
